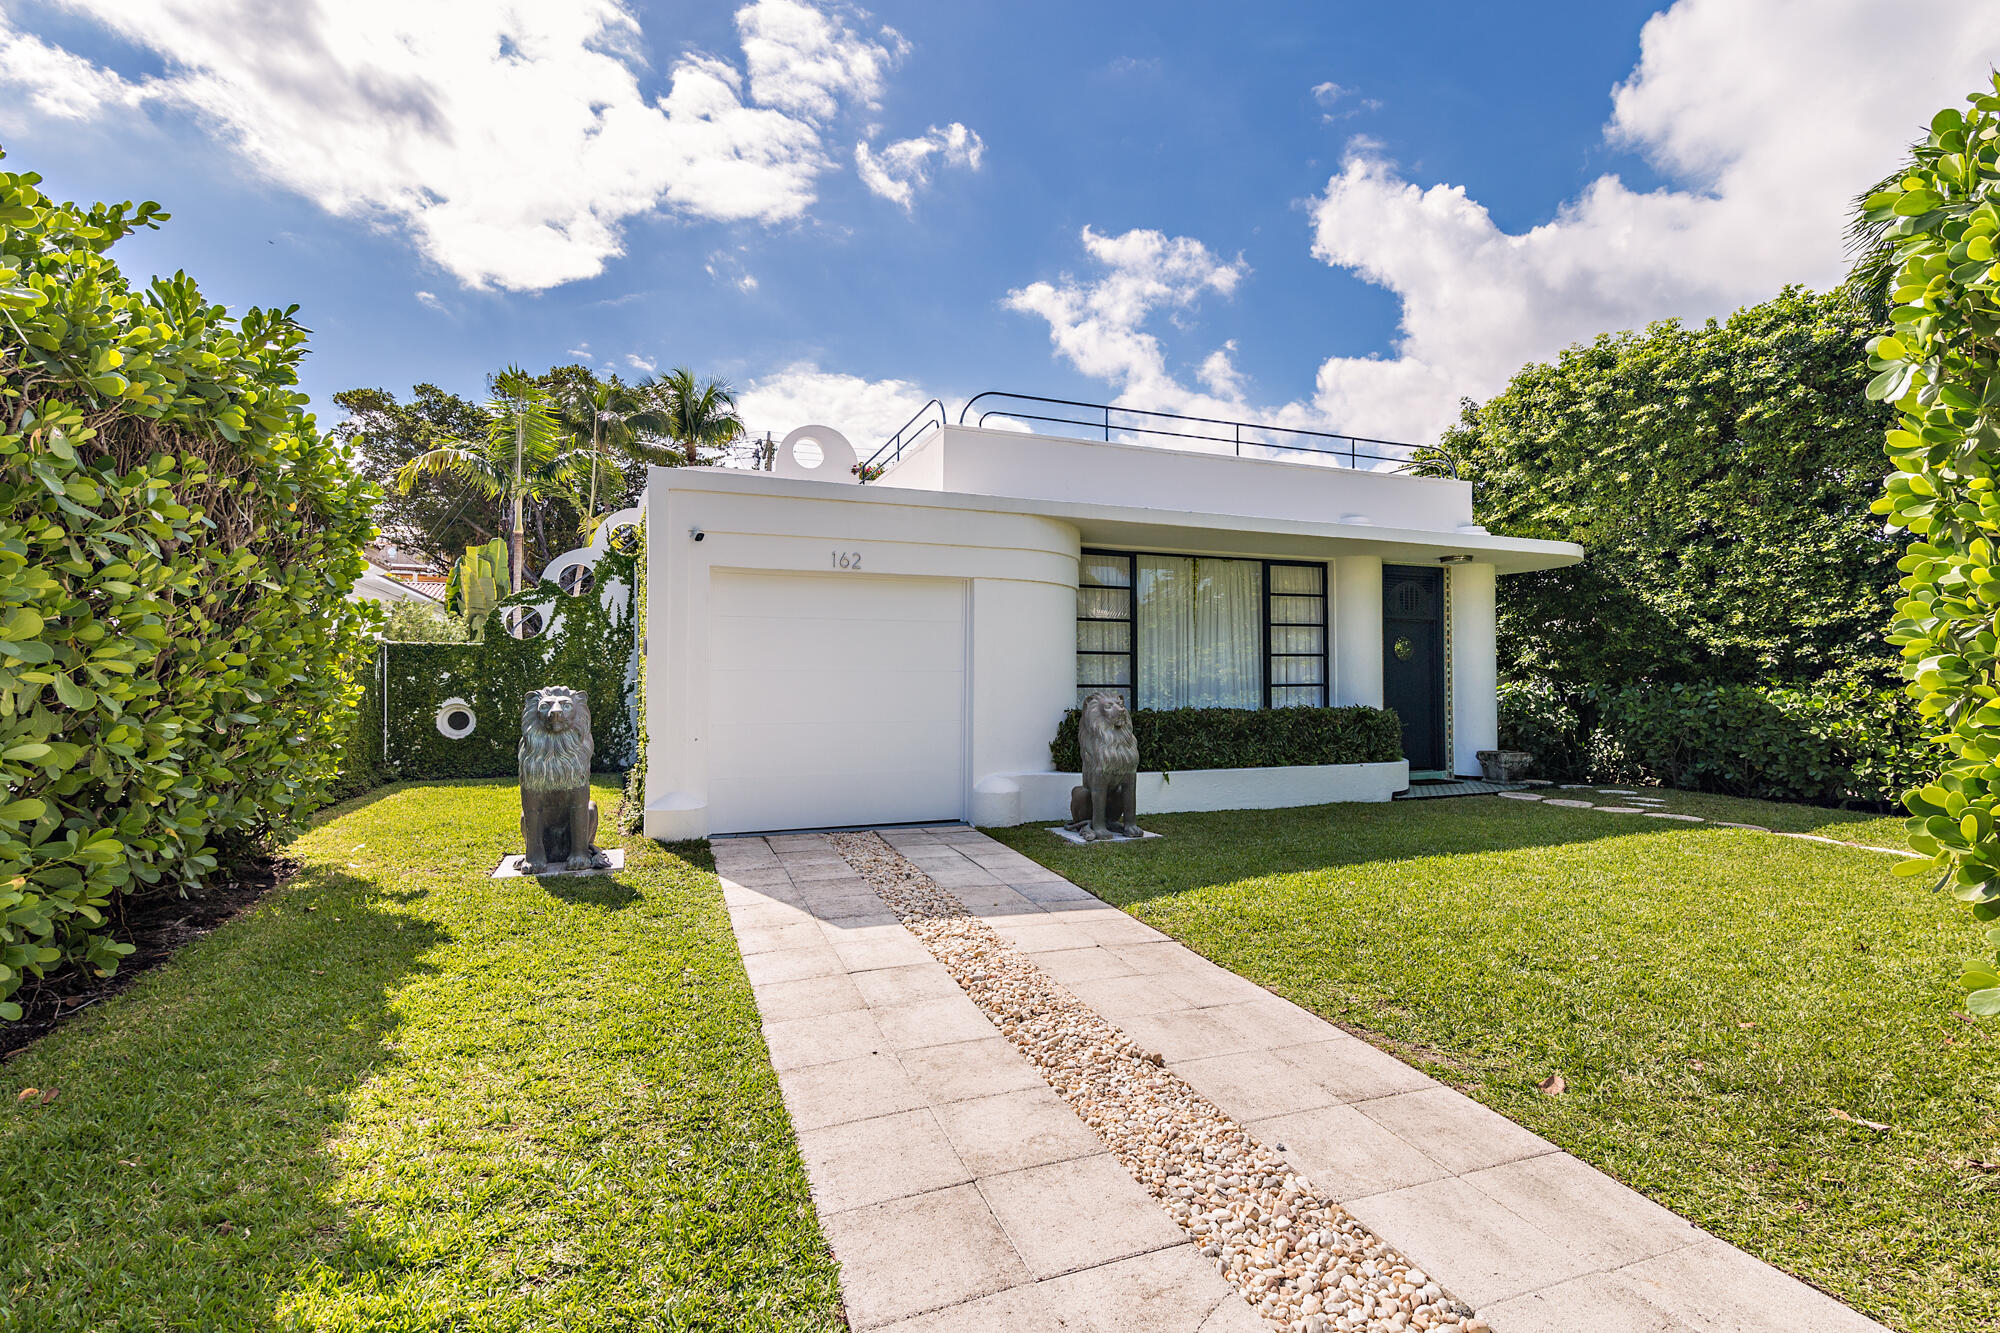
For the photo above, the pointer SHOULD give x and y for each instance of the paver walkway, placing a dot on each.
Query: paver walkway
(960, 1193)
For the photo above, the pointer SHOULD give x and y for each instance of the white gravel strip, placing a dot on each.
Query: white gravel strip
(1293, 1253)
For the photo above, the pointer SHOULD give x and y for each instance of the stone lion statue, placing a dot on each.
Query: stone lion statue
(558, 818)
(1106, 803)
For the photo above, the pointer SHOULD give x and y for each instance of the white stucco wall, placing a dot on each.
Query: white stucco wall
(1356, 615)
(1020, 573)
(1028, 798)
(1475, 676)
(997, 462)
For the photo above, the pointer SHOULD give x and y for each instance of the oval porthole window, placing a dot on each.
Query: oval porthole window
(456, 720)
(624, 538)
(1406, 649)
(524, 622)
(577, 580)
(809, 453)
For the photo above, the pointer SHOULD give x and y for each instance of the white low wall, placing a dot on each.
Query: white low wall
(1027, 798)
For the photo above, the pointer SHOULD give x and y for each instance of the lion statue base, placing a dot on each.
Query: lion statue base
(558, 818)
(1105, 804)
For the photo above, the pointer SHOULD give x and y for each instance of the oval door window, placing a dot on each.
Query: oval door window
(1406, 648)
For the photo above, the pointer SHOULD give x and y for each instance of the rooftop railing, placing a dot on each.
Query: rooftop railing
(1138, 425)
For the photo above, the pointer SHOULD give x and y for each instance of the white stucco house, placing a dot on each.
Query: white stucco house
(823, 653)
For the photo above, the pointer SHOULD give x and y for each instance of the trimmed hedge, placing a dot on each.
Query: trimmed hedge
(1177, 740)
(1834, 743)
(590, 649)
(177, 541)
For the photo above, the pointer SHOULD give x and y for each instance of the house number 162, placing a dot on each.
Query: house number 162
(847, 559)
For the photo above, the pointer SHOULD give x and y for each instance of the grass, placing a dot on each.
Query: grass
(401, 1095)
(1714, 1000)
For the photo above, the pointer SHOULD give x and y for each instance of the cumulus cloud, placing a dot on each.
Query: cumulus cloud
(866, 411)
(511, 141)
(805, 61)
(902, 168)
(1098, 323)
(1766, 117)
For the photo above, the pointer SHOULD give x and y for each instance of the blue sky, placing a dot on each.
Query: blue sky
(1328, 214)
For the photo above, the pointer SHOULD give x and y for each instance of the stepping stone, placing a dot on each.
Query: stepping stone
(1518, 795)
(1668, 814)
(1754, 828)
(1618, 809)
(1615, 791)
(1571, 805)
(1578, 786)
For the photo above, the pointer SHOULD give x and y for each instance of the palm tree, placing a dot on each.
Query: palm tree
(600, 413)
(521, 458)
(695, 415)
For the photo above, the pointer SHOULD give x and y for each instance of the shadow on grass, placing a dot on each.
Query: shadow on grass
(187, 1131)
(591, 891)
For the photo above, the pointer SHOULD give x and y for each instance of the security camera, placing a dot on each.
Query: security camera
(697, 534)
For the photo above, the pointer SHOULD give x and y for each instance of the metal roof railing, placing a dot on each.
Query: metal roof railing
(1138, 425)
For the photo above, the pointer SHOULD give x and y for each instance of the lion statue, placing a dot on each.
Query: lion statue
(1105, 804)
(558, 818)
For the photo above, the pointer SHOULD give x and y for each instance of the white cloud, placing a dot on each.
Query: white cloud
(1098, 325)
(1338, 103)
(1767, 116)
(805, 61)
(867, 412)
(641, 364)
(511, 141)
(58, 83)
(581, 352)
(725, 267)
(430, 299)
(904, 167)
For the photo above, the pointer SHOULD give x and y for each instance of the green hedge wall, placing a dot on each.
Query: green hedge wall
(590, 649)
(632, 816)
(1834, 743)
(1176, 740)
(177, 541)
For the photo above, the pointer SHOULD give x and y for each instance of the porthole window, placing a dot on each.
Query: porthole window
(456, 720)
(1406, 648)
(523, 622)
(624, 539)
(577, 580)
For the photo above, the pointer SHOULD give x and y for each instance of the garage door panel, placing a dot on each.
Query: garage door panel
(833, 750)
(791, 696)
(834, 700)
(752, 642)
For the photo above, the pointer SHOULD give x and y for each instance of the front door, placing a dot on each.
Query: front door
(1413, 661)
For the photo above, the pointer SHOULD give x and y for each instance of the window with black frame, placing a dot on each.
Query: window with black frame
(1104, 626)
(1171, 631)
(1295, 621)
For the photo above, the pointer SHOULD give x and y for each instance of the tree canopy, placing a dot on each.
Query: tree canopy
(1719, 479)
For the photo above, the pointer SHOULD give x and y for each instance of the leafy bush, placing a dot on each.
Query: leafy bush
(1837, 743)
(1177, 740)
(589, 649)
(1941, 370)
(176, 545)
(1718, 478)
(422, 622)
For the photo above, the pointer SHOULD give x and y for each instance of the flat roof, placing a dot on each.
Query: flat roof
(1141, 528)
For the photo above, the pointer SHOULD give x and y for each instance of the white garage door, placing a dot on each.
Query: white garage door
(834, 699)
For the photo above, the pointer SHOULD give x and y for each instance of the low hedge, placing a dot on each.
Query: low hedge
(1839, 743)
(1176, 740)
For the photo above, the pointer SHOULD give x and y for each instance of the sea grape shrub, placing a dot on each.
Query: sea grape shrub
(177, 542)
(1940, 368)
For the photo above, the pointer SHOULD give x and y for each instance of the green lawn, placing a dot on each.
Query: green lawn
(400, 1095)
(1711, 998)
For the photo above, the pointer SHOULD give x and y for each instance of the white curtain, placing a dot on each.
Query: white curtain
(1200, 632)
